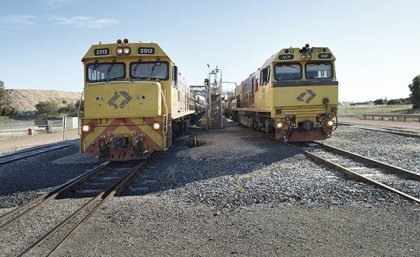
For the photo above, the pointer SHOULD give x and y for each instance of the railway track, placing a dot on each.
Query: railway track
(29, 152)
(396, 131)
(400, 181)
(97, 186)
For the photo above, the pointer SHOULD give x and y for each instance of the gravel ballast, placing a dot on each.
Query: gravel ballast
(393, 149)
(243, 193)
(26, 179)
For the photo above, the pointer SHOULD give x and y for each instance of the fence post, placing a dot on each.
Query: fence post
(64, 126)
(49, 126)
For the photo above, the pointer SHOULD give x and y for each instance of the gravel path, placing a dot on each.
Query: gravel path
(242, 193)
(165, 226)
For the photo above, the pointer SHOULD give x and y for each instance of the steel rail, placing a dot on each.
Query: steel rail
(406, 173)
(353, 174)
(26, 153)
(400, 132)
(94, 203)
(14, 215)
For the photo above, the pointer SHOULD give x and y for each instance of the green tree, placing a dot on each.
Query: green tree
(394, 102)
(7, 110)
(2, 94)
(379, 101)
(415, 92)
(47, 107)
(69, 109)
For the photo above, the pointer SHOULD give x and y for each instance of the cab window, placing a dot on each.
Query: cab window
(149, 70)
(265, 75)
(319, 70)
(100, 72)
(287, 71)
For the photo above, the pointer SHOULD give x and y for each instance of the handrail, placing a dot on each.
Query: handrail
(96, 83)
(78, 113)
(119, 81)
(166, 109)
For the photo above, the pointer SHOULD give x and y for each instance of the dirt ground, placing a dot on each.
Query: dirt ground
(12, 144)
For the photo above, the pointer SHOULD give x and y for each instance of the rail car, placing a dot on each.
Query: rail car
(293, 95)
(135, 101)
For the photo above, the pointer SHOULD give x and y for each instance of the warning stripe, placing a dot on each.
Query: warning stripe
(152, 135)
(154, 139)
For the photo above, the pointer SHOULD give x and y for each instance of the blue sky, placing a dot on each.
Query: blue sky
(375, 42)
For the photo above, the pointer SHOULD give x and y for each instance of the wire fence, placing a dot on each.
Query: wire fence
(14, 128)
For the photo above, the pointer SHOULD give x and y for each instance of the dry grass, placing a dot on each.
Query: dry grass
(359, 110)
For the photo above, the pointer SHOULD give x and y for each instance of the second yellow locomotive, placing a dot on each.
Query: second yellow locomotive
(134, 101)
(293, 96)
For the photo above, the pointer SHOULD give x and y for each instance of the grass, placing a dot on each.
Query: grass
(359, 110)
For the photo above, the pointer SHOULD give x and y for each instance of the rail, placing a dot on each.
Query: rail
(394, 117)
(360, 160)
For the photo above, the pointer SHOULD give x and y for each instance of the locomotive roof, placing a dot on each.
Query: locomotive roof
(314, 52)
(137, 50)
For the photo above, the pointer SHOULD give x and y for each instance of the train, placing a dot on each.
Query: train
(135, 101)
(292, 96)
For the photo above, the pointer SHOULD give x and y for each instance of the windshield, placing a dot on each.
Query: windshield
(149, 70)
(319, 70)
(99, 72)
(287, 71)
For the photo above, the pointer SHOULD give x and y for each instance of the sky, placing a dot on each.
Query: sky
(376, 42)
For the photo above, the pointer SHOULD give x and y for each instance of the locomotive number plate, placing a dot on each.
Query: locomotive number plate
(101, 51)
(286, 57)
(146, 50)
(324, 56)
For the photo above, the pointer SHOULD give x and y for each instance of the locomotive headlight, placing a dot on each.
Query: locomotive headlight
(119, 50)
(279, 125)
(126, 50)
(330, 123)
(156, 126)
(85, 128)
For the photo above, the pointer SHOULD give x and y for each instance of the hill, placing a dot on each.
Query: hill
(26, 99)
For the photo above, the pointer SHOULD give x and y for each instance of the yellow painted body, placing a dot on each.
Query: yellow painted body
(129, 106)
(262, 98)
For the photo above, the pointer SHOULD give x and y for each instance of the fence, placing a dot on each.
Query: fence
(17, 128)
(403, 117)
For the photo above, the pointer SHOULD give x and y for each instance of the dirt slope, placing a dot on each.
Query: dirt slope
(26, 99)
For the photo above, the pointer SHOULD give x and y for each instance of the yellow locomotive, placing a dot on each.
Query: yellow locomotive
(293, 96)
(135, 100)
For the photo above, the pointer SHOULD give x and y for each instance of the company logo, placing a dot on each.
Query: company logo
(123, 103)
(306, 96)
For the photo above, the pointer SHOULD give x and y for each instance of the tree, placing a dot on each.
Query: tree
(7, 110)
(379, 102)
(415, 92)
(69, 109)
(47, 107)
(2, 94)
(394, 102)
